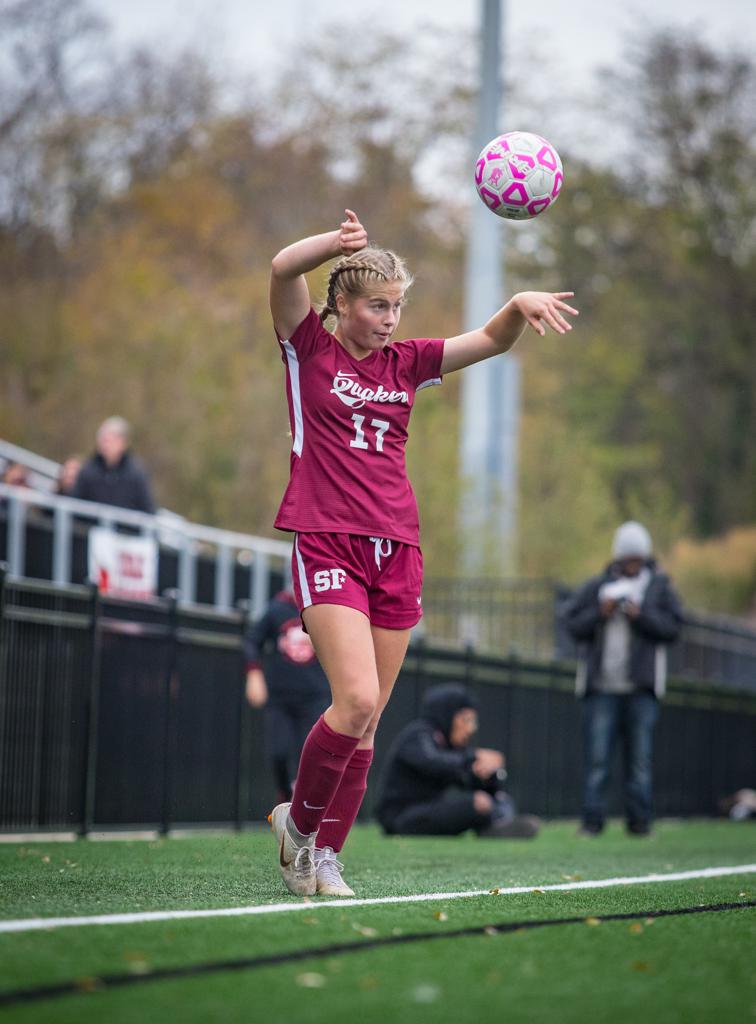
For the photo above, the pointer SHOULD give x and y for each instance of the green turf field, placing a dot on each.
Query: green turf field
(396, 962)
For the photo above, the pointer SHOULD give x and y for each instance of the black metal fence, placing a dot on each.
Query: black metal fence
(116, 714)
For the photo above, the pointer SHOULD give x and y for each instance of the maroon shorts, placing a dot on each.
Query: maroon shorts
(380, 578)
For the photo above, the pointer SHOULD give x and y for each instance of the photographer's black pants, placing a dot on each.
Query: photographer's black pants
(447, 815)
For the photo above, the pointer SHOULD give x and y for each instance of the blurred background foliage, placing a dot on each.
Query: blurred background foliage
(141, 201)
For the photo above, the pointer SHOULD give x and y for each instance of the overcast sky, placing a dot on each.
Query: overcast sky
(580, 33)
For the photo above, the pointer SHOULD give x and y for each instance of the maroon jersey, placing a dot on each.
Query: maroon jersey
(349, 420)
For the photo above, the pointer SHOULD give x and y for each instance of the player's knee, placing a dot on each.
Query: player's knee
(359, 709)
(482, 802)
(369, 733)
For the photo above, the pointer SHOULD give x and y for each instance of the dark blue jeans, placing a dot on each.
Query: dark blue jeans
(630, 718)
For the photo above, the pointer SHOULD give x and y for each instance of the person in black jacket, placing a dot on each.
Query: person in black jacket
(436, 783)
(623, 621)
(112, 475)
(284, 677)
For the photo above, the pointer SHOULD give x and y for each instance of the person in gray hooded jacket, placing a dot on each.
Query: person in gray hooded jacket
(623, 621)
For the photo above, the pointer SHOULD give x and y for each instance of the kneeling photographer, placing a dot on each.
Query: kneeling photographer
(435, 783)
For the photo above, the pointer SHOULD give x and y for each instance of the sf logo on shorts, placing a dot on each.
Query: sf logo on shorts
(329, 579)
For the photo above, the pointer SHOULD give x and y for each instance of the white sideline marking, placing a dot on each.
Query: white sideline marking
(41, 923)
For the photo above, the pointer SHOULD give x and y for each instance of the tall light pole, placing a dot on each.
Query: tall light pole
(490, 390)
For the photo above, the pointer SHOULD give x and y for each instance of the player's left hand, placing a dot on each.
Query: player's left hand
(352, 235)
(543, 309)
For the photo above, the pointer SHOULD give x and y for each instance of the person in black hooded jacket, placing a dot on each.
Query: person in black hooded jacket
(435, 783)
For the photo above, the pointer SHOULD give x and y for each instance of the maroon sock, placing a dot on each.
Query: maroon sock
(342, 810)
(324, 757)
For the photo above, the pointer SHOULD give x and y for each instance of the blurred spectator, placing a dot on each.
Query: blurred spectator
(623, 621)
(16, 475)
(436, 783)
(741, 806)
(293, 687)
(69, 472)
(112, 475)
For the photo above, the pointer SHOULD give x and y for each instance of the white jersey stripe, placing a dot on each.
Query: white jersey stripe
(428, 383)
(296, 396)
(306, 599)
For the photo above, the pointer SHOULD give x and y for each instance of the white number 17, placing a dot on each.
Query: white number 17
(381, 426)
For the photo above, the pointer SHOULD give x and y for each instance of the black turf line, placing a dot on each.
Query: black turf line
(86, 986)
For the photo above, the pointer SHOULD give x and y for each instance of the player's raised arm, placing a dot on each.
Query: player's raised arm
(289, 295)
(539, 309)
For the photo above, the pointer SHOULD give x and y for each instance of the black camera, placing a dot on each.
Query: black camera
(494, 782)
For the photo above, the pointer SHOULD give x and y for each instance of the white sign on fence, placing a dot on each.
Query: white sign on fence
(121, 565)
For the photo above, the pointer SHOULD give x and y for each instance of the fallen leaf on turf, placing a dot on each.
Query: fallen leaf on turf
(593, 921)
(369, 933)
(540, 891)
(311, 980)
(490, 930)
(45, 860)
(368, 984)
(641, 965)
(649, 920)
(494, 892)
(441, 916)
(426, 993)
(635, 929)
(139, 967)
(88, 984)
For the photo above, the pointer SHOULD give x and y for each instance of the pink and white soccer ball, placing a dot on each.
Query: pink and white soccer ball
(518, 175)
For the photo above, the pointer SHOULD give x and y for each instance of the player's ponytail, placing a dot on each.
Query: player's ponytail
(356, 274)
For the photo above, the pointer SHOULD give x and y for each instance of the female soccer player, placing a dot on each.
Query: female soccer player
(357, 566)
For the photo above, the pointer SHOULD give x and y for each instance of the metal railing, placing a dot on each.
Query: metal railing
(713, 647)
(506, 617)
(69, 519)
(42, 472)
(522, 618)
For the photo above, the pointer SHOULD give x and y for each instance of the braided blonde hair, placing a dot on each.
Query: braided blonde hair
(354, 275)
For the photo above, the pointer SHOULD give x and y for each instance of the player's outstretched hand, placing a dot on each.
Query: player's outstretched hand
(546, 308)
(352, 235)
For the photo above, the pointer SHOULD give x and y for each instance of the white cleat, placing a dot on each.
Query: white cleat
(295, 853)
(328, 870)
